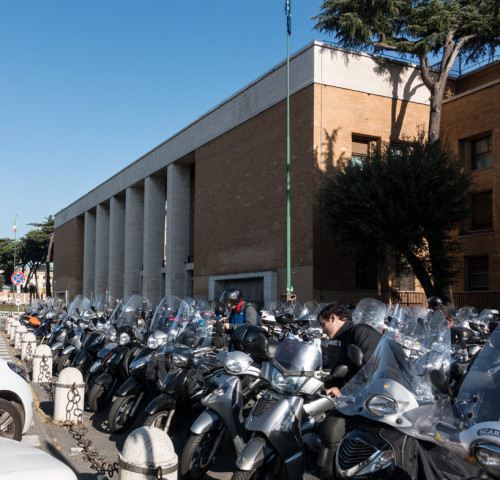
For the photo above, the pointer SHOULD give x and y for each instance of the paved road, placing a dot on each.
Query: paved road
(60, 442)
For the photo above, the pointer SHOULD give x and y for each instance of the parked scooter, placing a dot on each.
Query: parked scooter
(92, 313)
(385, 403)
(142, 384)
(190, 360)
(110, 370)
(286, 414)
(232, 390)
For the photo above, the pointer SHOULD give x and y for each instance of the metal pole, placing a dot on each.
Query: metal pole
(289, 287)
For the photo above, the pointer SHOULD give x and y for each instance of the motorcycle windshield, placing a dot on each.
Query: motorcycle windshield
(171, 312)
(199, 330)
(480, 393)
(135, 312)
(77, 305)
(293, 355)
(463, 316)
(417, 342)
(372, 312)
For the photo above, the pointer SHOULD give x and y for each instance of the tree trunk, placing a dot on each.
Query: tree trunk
(436, 101)
(418, 267)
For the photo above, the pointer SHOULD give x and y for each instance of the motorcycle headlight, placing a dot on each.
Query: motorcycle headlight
(179, 360)
(18, 369)
(290, 385)
(381, 405)
(124, 338)
(218, 392)
(488, 457)
(232, 366)
(153, 343)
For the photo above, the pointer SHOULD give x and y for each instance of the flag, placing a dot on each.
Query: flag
(15, 225)
(288, 11)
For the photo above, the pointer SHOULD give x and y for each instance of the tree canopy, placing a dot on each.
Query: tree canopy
(404, 202)
(423, 28)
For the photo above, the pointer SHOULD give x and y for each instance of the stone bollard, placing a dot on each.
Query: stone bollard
(20, 332)
(28, 345)
(42, 364)
(12, 332)
(148, 453)
(68, 403)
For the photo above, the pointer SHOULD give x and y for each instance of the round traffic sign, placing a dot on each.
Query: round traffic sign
(17, 278)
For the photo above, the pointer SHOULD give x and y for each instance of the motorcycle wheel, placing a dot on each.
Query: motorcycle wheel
(164, 420)
(97, 397)
(119, 418)
(55, 360)
(63, 362)
(11, 422)
(195, 459)
(261, 473)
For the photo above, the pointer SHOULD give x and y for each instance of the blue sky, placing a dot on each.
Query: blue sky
(89, 86)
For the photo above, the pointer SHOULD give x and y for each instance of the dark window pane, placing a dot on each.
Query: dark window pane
(482, 215)
(481, 152)
(366, 272)
(478, 273)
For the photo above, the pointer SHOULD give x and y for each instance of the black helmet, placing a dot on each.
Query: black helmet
(434, 302)
(231, 295)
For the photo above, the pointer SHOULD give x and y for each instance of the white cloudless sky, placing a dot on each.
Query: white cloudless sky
(89, 86)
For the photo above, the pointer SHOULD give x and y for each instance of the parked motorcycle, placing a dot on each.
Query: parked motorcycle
(231, 391)
(142, 384)
(111, 368)
(286, 415)
(190, 360)
(389, 399)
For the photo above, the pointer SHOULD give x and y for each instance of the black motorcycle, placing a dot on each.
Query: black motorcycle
(112, 367)
(147, 368)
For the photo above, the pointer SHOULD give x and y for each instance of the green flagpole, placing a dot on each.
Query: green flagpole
(289, 287)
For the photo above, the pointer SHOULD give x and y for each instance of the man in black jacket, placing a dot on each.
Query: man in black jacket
(335, 320)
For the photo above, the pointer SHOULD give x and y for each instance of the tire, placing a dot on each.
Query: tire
(160, 420)
(119, 418)
(97, 398)
(11, 421)
(194, 462)
(55, 361)
(63, 362)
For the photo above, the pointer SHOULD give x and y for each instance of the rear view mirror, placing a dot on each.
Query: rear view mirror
(340, 371)
(355, 354)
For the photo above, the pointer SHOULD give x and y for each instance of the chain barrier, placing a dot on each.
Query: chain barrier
(45, 378)
(29, 355)
(79, 432)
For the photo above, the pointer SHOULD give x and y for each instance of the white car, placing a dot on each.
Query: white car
(16, 401)
(22, 462)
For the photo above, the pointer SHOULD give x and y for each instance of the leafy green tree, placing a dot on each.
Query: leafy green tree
(405, 202)
(7, 257)
(34, 247)
(441, 28)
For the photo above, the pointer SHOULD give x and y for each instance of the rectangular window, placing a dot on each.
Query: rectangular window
(481, 210)
(480, 152)
(366, 272)
(477, 269)
(361, 147)
(405, 278)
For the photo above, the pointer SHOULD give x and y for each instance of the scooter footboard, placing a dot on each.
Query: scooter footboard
(255, 454)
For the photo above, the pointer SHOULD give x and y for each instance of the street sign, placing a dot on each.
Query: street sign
(18, 301)
(18, 278)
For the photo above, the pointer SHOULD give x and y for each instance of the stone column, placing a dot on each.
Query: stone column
(178, 198)
(134, 234)
(89, 253)
(116, 246)
(154, 237)
(102, 249)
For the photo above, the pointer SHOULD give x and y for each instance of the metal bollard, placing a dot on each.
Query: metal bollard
(68, 403)
(42, 364)
(148, 453)
(20, 332)
(28, 345)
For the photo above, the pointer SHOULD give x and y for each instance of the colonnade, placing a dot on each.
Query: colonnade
(130, 247)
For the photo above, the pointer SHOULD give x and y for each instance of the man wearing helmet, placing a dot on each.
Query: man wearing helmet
(240, 312)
